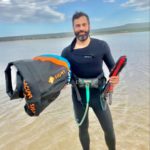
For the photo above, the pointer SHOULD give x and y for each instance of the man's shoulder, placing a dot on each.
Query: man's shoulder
(98, 41)
(100, 44)
(66, 50)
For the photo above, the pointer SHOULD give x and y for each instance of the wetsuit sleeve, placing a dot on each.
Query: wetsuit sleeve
(108, 59)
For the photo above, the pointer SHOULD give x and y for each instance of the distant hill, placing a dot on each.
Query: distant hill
(133, 27)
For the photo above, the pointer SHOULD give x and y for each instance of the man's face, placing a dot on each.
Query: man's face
(81, 28)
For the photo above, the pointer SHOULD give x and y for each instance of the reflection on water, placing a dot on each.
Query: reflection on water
(55, 128)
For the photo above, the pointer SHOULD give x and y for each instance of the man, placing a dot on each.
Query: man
(86, 56)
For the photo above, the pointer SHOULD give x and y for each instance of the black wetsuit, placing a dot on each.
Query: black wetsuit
(87, 63)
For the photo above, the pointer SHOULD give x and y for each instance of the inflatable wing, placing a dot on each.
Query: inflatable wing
(39, 81)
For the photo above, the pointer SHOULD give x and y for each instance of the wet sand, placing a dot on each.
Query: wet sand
(56, 129)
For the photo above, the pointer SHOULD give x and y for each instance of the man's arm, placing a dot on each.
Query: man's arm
(109, 61)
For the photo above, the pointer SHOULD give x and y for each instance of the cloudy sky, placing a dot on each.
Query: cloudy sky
(23, 17)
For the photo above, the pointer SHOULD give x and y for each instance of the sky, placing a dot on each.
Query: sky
(27, 17)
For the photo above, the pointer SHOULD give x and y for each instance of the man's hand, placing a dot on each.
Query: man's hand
(114, 80)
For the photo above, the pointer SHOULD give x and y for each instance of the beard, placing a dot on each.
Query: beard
(82, 37)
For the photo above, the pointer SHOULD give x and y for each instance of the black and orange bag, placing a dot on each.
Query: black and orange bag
(39, 81)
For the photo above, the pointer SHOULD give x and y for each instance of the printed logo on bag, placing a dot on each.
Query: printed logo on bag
(52, 79)
(27, 91)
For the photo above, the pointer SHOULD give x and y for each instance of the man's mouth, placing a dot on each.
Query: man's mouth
(82, 33)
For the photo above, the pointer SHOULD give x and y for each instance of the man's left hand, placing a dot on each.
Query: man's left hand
(114, 80)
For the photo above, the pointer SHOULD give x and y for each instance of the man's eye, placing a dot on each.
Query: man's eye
(84, 24)
(78, 25)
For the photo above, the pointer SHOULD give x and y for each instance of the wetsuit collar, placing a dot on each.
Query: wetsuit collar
(73, 44)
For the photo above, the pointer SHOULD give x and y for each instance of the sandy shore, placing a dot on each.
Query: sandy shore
(56, 129)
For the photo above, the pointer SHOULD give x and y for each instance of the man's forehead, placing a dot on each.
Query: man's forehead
(81, 19)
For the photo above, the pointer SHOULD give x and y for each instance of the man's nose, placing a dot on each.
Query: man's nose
(82, 28)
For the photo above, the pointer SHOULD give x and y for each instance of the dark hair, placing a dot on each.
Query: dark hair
(78, 15)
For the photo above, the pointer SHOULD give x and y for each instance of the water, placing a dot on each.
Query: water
(55, 128)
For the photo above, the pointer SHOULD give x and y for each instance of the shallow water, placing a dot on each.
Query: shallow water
(55, 128)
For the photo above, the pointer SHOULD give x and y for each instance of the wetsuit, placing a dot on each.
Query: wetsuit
(87, 63)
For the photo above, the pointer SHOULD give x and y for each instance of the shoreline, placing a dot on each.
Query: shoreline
(127, 28)
(27, 37)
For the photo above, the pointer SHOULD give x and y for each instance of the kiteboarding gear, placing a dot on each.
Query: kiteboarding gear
(95, 83)
(87, 84)
(120, 64)
(39, 81)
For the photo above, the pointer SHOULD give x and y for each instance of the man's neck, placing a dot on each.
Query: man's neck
(82, 44)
